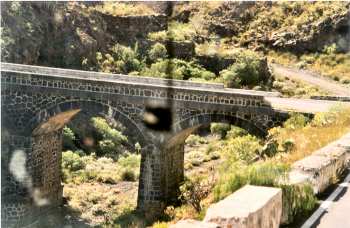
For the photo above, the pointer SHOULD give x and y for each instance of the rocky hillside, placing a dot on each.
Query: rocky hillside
(62, 34)
(72, 34)
(41, 32)
(293, 26)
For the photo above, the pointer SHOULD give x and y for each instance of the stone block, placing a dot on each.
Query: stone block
(249, 207)
(190, 223)
(322, 166)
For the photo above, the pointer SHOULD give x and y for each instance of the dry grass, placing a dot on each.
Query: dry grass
(101, 203)
(125, 9)
(313, 136)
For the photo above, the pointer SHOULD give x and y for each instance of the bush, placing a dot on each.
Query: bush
(296, 121)
(124, 9)
(107, 132)
(107, 147)
(236, 132)
(288, 145)
(220, 129)
(193, 140)
(177, 69)
(234, 175)
(72, 161)
(244, 148)
(246, 71)
(157, 51)
(68, 139)
(128, 175)
(158, 36)
(196, 158)
(194, 191)
(325, 118)
(270, 148)
(131, 161)
(121, 60)
(299, 201)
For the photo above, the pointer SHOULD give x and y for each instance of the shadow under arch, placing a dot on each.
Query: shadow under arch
(56, 117)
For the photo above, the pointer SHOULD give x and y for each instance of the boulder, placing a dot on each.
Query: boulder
(250, 206)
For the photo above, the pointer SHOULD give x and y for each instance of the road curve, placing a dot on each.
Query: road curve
(302, 105)
(312, 78)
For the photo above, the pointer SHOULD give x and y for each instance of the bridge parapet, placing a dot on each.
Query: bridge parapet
(108, 84)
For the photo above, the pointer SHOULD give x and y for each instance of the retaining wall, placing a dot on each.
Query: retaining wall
(256, 206)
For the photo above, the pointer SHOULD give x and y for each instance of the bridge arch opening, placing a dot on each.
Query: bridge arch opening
(47, 150)
(174, 150)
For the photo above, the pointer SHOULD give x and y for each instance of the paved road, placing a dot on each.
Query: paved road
(303, 105)
(335, 211)
(312, 78)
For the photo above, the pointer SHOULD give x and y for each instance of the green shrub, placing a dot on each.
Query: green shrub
(194, 191)
(164, 69)
(244, 148)
(330, 49)
(193, 140)
(158, 36)
(325, 118)
(270, 149)
(107, 132)
(236, 132)
(68, 139)
(106, 147)
(220, 129)
(214, 156)
(129, 160)
(196, 158)
(288, 145)
(157, 51)
(244, 72)
(234, 175)
(121, 59)
(128, 175)
(176, 69)
(296, 121)
(299, 201)
(72, 161)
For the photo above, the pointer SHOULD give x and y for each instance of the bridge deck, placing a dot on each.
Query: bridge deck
(119, 78)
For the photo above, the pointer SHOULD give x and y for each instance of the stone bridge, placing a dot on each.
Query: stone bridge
(36, 103)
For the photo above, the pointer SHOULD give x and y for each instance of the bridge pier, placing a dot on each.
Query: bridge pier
(161, 173)
(31, 177)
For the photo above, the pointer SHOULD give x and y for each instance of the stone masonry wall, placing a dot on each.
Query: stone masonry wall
(32, 96)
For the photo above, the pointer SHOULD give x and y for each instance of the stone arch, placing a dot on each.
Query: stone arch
(183, 128)
(174, 148)
(43, 153)
(56, 116)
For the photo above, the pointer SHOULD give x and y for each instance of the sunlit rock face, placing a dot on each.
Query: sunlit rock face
(250, 206)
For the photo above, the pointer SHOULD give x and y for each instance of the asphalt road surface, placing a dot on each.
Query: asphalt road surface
(334, 211)
(303, 105)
